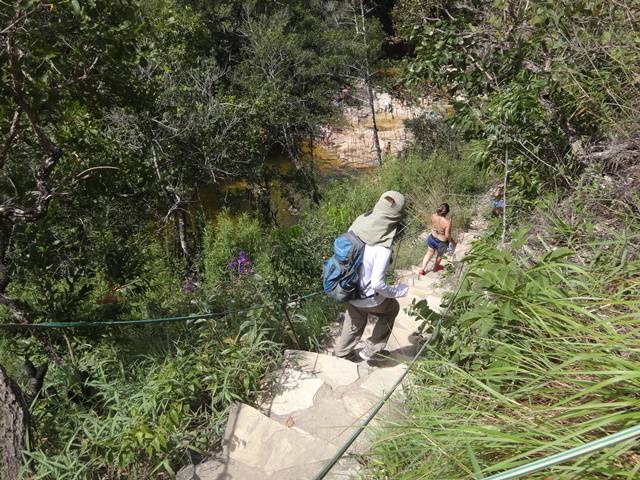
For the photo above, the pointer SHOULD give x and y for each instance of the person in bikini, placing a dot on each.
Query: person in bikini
(497, 202)
(439, 238)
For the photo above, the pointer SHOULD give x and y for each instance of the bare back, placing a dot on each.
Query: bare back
(440, 227)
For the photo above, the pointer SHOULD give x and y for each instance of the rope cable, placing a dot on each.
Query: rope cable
(146, 321)
(570, 454)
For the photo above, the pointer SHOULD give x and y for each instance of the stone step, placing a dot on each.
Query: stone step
(413, 279)
(347, 468)
(221, 468)
(431, 281)
(301, 377)
(404, 272)
(347, 394)
(433, 299)
(262, 443)
(407, 322)
(257, 447)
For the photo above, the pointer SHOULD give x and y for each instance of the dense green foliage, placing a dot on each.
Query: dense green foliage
(114, 116)
(136, 105)
(539, 83)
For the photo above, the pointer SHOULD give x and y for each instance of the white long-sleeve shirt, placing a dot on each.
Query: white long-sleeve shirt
(372, 285)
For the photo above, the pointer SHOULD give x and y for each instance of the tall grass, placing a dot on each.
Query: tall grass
(540, 354)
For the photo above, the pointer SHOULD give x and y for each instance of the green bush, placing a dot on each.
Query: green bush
(223, 241)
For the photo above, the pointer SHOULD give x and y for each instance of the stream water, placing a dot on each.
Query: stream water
(238, 196)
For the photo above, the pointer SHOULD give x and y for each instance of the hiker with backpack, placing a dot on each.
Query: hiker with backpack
(356, 272)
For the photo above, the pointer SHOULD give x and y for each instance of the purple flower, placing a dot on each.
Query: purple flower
(241, 264)
(188, 286)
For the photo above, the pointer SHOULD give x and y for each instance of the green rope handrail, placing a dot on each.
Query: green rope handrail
(144, 321)
(567, 455)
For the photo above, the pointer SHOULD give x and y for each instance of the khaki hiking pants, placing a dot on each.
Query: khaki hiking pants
(355, 322)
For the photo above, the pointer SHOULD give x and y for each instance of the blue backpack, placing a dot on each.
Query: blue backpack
(340, 274)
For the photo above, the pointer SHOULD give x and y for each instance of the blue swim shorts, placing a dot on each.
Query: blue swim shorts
(439, 246)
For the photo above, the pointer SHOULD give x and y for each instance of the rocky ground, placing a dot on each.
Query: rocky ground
(352, 142)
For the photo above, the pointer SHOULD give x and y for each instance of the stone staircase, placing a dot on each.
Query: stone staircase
(317, 401)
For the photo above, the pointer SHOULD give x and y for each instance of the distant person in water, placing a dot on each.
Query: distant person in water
(497, 201)
(439, 238)
(376, 229)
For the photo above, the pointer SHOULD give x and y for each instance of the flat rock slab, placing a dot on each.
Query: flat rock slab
(230, 469)
(426, 282)
(381, 380)
(399, 346)
(404, 321)
(334, 371)
(261, 443)
(293, 390)
(221, 469)
(331, 418)
(421, 291)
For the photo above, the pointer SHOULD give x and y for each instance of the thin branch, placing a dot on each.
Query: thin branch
(10, 137)
(82, 175)
(504, 197)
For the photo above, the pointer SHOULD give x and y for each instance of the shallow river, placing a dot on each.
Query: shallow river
(237, 196)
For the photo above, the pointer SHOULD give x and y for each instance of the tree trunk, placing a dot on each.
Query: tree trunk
(376, 139)
(177, 211)
(14, 421)
(181, 224)
(367, 81)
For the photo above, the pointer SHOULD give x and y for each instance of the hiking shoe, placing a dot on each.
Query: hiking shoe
(363, 355)
(377, 356)
(437, 268)
(352, 357)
